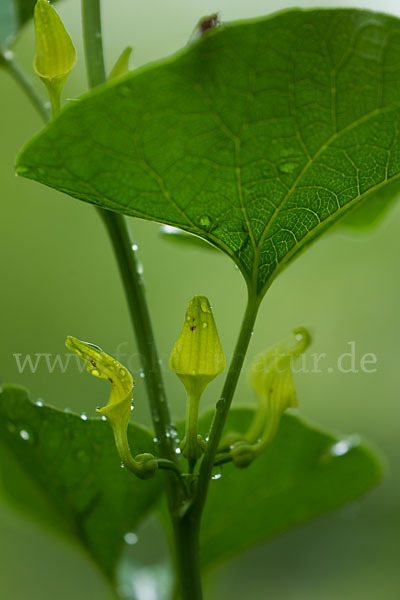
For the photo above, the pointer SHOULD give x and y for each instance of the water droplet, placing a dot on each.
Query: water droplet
(95, 372)
(299, 336)
(39, 402)
(134, 247)
(84, 417)
(287, 167)
(122, 465)
(178, 451)
(141, 374)
(252, 333)
(205, 307)
(140, 268)
(132, 407)
(25, 435)
(344, 446)
(103, 418)
(205, 325)
(205, 222)
(8, 54)
(131, 538)
(155, 440)
(122, 372)
(216, 475)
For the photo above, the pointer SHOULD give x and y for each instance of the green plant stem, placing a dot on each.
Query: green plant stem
(224, 403)
(130, 274)
(7, 59)
(128, 265)
(186, 531)
(93, 41)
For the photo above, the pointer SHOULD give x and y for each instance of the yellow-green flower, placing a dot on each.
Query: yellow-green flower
(55, 55)
(197, 358)
(119, 405)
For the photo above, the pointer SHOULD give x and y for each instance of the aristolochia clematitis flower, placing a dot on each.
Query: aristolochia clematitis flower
(55, 55)
(197, 358)
(272, 380)
(118, 409)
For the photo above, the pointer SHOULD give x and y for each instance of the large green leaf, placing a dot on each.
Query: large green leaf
(13, 15)
(305, 472)
(257, 138)
(64, 472)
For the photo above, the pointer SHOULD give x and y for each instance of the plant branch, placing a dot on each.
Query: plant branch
(7, 60)
(133, 283)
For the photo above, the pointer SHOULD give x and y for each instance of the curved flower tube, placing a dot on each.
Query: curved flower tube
(118, 408)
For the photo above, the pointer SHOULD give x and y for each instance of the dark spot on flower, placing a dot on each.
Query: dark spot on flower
(193, 328)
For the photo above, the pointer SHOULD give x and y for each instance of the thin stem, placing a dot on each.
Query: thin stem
(128, 265)
(134, 289)
(7, 59)
(93, 41)
(224, 403)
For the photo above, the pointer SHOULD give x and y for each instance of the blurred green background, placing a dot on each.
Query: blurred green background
(59, 277)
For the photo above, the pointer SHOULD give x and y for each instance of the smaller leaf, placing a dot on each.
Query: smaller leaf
(121, 66)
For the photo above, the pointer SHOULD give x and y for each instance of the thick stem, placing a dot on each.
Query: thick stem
(186, 530)
(224, 403)
(93, 41)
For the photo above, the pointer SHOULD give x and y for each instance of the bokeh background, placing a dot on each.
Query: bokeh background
(58, 277)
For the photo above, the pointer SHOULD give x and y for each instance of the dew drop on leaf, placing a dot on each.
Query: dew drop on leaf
(205, 222)
(131, 538)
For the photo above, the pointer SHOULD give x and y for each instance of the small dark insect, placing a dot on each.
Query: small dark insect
(93, 363)
(207, 23)
(193, 328)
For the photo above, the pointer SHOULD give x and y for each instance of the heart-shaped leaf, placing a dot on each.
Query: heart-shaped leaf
(305, 472)
(64, 472)
(257, 138)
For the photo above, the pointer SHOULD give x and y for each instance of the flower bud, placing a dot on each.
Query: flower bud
(197, 358)
(55, 55)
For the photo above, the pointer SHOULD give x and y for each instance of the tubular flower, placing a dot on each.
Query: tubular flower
(118, 408)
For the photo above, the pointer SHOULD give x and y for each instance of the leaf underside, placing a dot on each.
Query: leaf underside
(257, 138)
(64, 472)
(304, 473)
